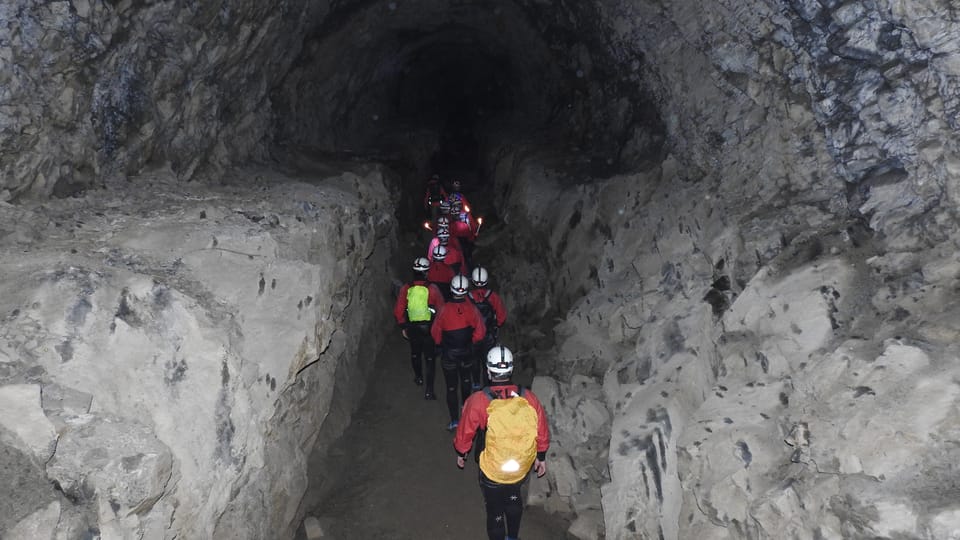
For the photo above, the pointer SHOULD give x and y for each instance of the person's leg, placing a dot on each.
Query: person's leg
(480, 363)
(513, 508)
(493, 502)
(450, 378)
(479, 360)
(415, 336)
(467, 251)
(466, 375)
(430, 364)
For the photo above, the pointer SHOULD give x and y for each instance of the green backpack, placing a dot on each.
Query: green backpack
(418, 307)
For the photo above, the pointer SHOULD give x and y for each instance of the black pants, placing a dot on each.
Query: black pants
(504, 503)
(423, 353)
(444, 289)
(479, 373)
(467, 249)
(457, 367)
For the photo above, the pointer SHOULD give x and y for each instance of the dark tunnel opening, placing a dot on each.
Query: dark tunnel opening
(454, 87)
(445, 89)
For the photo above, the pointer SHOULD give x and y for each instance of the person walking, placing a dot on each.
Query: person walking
(515, 437)
(414, 310)
(464, 227)
(433, 195)
(439, 273)
(456, 329)
(494, 314)
(443, 238)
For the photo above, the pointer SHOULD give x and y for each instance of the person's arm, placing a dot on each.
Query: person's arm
(498, 308)
(435, 298)
(400, 307)
(543, 434)
(436, 330)
(479, 327)
(472, 418)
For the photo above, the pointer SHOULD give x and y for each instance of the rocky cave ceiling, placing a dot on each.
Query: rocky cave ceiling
(101, 89)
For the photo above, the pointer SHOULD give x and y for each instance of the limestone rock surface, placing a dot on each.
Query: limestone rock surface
(748, 386)
(180, 344)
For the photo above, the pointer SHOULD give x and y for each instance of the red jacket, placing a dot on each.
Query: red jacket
(480, 295)
(440, 273)
(463, 225)
(452, 243)
(458, 324)
(434, 299)
(474, 417)
(454, 257)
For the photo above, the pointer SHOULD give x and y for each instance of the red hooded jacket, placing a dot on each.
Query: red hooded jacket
(435, 299)
(458, 324)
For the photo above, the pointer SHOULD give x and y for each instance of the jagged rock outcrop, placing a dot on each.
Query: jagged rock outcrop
(765, 306)
(811, 394)
(171, 352)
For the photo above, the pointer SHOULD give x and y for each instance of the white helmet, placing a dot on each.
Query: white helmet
(443, 221)
(459, 285)
(479, 276)
(439, 253)
(421, 264)
(443, 234)
(500, 361)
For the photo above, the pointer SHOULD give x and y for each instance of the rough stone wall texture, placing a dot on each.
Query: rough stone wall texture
(763, 308)
(92, 89)
(847, 105)
(181, 345)
(813, 395)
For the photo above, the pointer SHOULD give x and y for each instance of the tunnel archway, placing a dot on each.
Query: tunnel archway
(441, 88)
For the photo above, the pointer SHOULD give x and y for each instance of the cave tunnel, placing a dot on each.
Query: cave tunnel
(725, 233)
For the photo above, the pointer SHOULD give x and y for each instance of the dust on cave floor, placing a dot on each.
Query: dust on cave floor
(393, 473)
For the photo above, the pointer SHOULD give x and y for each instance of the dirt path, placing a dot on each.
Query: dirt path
(393, 474)
(395, 470)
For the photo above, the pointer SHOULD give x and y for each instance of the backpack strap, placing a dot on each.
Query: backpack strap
(492, 395)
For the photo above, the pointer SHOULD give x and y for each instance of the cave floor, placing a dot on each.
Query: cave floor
(393, 473)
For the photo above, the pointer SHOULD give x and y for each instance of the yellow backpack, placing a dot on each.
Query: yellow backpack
(510, 444)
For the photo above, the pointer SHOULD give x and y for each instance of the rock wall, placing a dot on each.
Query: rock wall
(812, 395)
(171, 353)
(764, 309)
(95, 89)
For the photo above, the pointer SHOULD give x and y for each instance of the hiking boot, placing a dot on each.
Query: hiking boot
(453, 425)
(429, 396)
(418, 381)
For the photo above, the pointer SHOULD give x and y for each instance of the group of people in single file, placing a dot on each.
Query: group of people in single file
(449, 310)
